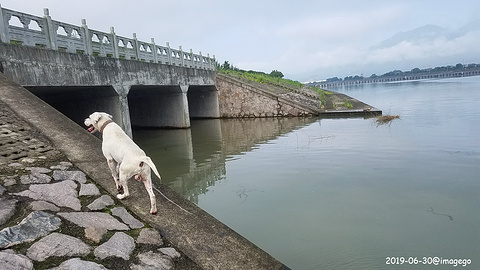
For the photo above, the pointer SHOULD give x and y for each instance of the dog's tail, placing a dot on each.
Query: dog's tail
(151, 165)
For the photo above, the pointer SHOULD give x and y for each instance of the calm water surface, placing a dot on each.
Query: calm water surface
(341, 193)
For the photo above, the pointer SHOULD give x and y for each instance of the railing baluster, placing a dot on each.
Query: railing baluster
(3, 27)
(50, 30)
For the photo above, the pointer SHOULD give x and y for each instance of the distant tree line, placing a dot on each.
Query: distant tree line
(415, 71)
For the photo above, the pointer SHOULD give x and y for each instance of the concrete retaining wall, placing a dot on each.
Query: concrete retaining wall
(240, 99)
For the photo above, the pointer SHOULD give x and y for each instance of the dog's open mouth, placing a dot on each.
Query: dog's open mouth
(91, 129)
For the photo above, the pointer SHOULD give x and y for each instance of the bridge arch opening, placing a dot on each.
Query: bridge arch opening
(158, 106)
(78, 102)
(203, 101)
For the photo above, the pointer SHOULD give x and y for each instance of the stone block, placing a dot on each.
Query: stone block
(34, 226)
(119, 245)
(94, 219)
(57, 245)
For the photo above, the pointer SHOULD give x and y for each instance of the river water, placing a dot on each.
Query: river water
(342, 193)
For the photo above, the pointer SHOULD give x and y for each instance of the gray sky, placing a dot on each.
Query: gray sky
(306, 40)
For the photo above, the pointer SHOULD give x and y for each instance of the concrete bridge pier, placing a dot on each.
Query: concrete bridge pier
(186, 112)
(122, 116)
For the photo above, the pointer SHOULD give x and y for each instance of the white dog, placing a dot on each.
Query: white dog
(125, 159)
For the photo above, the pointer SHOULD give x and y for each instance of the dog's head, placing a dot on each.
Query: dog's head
(95, 121)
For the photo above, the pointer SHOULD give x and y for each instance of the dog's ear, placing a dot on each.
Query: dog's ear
(95, 117)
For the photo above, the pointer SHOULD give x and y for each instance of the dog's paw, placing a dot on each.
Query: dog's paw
(153, 212)
(120, 189)
(121, 196)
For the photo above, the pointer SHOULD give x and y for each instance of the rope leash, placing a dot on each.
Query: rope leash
(171, 200)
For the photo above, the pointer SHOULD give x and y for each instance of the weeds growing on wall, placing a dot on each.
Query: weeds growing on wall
(347, 104)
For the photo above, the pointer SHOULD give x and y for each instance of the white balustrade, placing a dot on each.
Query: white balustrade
(29, 30)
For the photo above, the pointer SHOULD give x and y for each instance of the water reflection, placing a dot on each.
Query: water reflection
(192, 160)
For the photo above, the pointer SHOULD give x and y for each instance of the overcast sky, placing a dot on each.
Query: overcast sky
(306, 40)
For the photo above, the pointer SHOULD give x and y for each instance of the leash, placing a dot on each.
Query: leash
(170, 200)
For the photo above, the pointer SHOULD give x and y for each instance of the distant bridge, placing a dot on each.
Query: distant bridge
(78, 70)
(410, 77)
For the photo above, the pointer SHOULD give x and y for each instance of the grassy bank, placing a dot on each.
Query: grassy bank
(263, 78)
(276, 81)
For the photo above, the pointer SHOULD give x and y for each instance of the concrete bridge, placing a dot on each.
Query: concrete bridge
(78, 70)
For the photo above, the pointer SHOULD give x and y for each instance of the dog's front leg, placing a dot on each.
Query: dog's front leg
(114, 168)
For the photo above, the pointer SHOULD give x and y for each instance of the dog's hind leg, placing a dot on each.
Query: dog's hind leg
(117, 180)
(153, 202)
(123, 183)
(114, 168)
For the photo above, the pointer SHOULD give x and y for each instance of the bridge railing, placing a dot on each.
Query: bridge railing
(29, 30)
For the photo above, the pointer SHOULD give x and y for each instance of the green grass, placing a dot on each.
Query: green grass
(348, 104)
(263, 78)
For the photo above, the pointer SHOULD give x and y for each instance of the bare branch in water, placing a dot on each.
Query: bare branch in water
(386, 119)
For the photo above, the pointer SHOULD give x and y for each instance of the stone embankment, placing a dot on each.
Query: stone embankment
(240, 98)
(53, 216)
